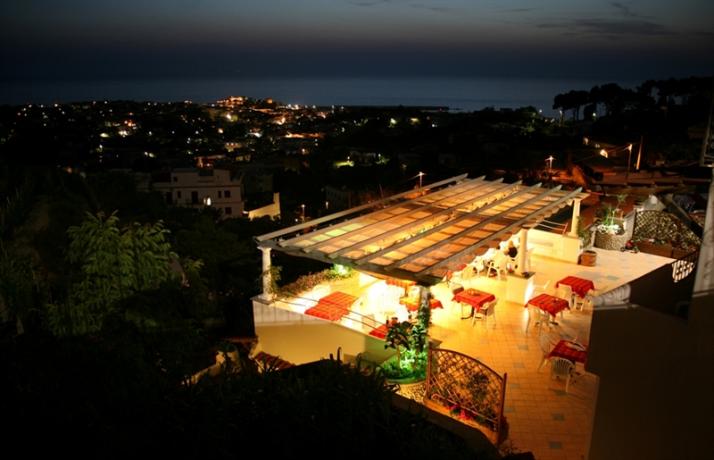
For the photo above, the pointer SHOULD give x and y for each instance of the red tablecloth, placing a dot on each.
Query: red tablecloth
(333, 306)
(380, 332)
(549, 303)
(413, 304)
(474, 297)
(580, 286)
(405, 284)
(565, 349)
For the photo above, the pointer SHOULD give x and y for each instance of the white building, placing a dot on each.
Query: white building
(198, 188)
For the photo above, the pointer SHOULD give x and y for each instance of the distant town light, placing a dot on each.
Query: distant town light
(603, 153)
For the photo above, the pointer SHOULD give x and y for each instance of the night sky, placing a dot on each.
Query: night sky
(232, 38)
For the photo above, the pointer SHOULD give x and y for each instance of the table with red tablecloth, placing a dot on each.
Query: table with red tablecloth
(333, 306)
(404, 284)
(413, 304)
(570, 351)
(549, 304)
(580, 286)
(477, 299)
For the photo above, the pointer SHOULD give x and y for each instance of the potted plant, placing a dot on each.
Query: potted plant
(410, 342)
(610, 230)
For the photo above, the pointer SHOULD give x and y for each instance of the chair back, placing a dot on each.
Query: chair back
(561, 367)
(490, 308)
(545, 344)
(541, 288)
(564, 291)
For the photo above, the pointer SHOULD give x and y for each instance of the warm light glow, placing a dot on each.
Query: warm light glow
(603, 153)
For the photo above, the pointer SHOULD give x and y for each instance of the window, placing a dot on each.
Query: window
(220, 194)
(194, 197)
(175, 178)
(227, 194)
(228, 211)
(178, 194)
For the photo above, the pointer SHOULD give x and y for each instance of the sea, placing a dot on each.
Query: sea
(458, 94)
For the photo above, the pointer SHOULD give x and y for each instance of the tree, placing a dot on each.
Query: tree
(113, 264)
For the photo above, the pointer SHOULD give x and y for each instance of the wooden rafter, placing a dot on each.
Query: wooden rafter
(347, 212)
(481, 224)
(519, 223)
(471, 188)
(417, 222)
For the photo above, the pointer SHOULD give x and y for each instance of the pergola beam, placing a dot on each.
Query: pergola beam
(441, 227)
(389, 233)
(473, 186)
(347, 212)
(480, 225)
(528, 219)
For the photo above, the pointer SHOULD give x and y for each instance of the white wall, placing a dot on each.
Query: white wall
(553, 245)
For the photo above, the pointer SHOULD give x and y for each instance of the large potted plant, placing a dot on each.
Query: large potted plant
(410, 342)
(610, 230)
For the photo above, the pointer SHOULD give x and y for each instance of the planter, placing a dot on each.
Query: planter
(588, 258)
(609, 241)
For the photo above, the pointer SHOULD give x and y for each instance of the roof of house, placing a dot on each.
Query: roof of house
(421, 234)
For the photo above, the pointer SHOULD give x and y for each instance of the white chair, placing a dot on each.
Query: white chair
(579, 303)
(479, 265)
(565, 292)
(489, 309)
(561, 367)
(541, 288)
(546, 345)
(499, 264)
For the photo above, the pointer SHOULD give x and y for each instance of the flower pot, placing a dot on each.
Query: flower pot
(588, 258)
(609, 241)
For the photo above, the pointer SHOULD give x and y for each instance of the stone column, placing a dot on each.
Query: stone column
(266, 275)
(523, 250)
(575, 219)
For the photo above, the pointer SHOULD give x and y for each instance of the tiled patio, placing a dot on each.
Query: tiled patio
(542, 418)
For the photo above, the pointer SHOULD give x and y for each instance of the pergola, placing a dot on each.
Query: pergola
(422, 233)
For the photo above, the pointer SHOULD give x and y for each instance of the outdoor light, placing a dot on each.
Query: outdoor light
(603, 153)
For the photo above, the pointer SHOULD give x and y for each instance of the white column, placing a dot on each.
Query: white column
(576, 217)
(523, 250)
(266, 272)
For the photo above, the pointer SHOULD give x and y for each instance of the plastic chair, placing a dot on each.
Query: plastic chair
(479, 265)
(499, 264)
(546, 346)
(541, 288)
(487, 310)
(564, 291)
(561, 367)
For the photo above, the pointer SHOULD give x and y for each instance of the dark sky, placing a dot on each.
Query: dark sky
(638, 39)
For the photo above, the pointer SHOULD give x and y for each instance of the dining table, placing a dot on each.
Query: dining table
(570, 350)
(474, 298)
(548, 303)
(580, 286)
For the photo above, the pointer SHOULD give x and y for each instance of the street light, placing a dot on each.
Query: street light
(421, 175)
(303, 212)
(550, 164)
(629, 160)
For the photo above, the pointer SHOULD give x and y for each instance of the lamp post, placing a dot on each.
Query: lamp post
(421, 175)
(550, 165)
(302, 206)
(629, 159)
